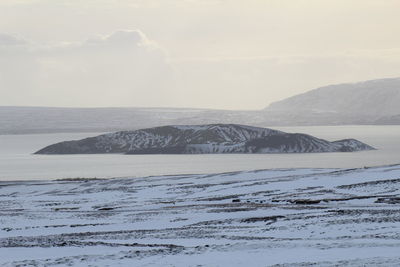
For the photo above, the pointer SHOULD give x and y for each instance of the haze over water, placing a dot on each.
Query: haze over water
(18, 163)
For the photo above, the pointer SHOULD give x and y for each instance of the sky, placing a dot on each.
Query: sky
(224, 54)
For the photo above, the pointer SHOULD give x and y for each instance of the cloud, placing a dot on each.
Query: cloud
(254, 82)
(17, 69)
(124, 68)
(10, 40)
(121, 37)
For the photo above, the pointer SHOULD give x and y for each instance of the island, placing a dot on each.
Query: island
(203, 139)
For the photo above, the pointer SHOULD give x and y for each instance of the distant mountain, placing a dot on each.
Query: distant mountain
(23, 120)
(199, 139)
(388, 120)
(353, 103)
(370, 102)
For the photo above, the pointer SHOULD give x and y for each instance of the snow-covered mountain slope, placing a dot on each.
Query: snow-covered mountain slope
(360, 102)
(282, 217)
(199, 139)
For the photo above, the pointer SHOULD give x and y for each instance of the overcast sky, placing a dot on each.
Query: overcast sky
(228, 54)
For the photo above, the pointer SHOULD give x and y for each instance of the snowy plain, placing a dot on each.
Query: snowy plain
(281, 217)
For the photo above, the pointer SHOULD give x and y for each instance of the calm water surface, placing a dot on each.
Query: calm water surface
(18, 163)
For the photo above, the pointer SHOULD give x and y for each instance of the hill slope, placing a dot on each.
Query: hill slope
(281, 217)
(363, 102)
(199, 139)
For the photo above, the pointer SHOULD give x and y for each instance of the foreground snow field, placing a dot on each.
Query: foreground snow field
(285, 217)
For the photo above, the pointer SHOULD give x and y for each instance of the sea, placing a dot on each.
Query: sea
(18, 161)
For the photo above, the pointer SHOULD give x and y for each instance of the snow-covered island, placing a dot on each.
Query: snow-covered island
(200, 139)
(282, 217)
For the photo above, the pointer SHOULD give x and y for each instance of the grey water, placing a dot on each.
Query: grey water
(18, 163)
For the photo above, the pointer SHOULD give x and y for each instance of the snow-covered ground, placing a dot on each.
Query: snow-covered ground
(283, 217)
